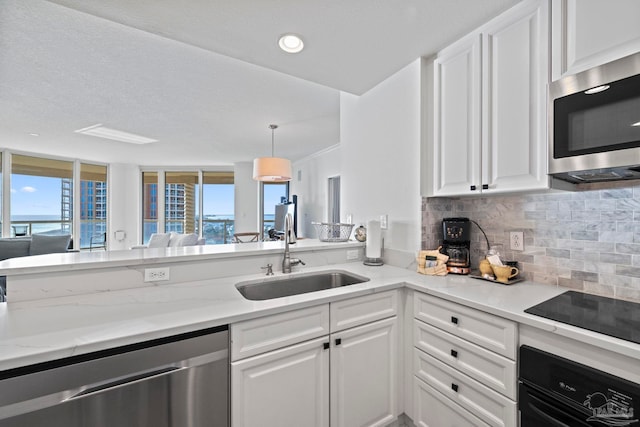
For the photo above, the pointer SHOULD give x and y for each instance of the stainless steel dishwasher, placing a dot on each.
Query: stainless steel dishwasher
(180, 381)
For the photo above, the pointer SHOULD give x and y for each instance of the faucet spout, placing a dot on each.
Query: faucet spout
(289, 237)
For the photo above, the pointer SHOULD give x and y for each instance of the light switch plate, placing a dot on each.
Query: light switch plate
(384, 221)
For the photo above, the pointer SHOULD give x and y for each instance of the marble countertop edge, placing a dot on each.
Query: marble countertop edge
(93, 322)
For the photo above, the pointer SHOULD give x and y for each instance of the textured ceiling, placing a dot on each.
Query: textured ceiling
(205, 78)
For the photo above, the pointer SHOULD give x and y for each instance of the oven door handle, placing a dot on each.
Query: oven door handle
(548, 417)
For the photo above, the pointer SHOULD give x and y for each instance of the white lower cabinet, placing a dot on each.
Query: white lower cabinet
(287, 387)
(364, 375)
(348, 378)
(464, 367)
(432, 409)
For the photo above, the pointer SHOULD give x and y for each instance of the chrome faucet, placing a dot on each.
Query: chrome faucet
(289, 236)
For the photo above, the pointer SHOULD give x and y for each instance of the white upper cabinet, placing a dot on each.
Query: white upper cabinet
(490, 107)
(457, 103)
(516, 73)
(587, 33)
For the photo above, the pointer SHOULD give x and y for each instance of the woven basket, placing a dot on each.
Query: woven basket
(333, 232)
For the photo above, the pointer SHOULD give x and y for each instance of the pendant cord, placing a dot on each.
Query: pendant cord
(273, 128)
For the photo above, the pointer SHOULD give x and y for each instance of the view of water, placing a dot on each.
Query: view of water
(217, 229)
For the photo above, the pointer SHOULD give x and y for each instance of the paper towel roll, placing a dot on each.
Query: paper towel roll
(374, 239)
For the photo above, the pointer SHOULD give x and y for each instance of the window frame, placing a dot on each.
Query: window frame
(5, 196)
(161, 196)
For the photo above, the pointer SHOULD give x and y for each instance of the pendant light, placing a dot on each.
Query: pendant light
(272, 169)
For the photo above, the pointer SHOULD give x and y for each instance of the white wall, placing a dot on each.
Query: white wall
(124, 205)
(310, 184)
(380, 156)
(246, 194)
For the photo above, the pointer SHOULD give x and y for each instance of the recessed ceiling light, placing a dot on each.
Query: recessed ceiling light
(636, 124)
(113, 134)
(34, 134)
(291, 43)
(596, 89)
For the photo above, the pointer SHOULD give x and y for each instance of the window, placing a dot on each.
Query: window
(192, 202)
(218, 207)
(93, 206)
(334, 199)
(149, 205)
(41, 196)
(181, 201)
(272, 194)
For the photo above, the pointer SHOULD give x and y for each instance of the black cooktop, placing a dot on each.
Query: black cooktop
(613, 317)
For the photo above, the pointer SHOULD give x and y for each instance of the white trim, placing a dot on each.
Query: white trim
(317, 154)
(75, 203)
(6, 194)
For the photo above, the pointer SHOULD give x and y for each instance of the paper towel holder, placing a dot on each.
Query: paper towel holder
(376, 262)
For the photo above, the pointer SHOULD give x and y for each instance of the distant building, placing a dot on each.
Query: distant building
(179, 206)
(93, 208)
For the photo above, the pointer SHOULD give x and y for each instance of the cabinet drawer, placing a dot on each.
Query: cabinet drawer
(432, 409)
(490, 369)
(358, 311)
(267, 333)
(490, 406)
(489, 331)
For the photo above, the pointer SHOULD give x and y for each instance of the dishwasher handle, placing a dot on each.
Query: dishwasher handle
(92, 390)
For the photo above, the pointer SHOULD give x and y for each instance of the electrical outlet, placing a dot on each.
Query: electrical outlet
(156, 274)
(516, 241)
(384, 221)
(352, 254)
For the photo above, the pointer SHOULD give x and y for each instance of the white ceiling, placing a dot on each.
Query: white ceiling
(204, 77)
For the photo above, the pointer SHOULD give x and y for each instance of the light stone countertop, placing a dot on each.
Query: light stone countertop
(49, 329)
(62, 262)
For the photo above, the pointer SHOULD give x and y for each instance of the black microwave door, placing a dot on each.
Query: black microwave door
(605, 120)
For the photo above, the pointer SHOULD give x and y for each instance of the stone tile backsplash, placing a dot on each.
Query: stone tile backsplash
(587, 240)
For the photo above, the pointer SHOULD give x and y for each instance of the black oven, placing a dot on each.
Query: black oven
(557, 392)
(594, 119)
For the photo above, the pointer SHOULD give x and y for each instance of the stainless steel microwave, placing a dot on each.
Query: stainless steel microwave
(594, 118)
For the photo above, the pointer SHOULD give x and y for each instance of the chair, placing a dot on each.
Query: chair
(246, 237)
(20, 230)
(98, 241)
(164, 240)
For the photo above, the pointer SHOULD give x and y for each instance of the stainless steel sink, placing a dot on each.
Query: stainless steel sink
(264, 289)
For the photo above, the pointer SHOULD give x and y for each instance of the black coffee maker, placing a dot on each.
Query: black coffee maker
(456, 237)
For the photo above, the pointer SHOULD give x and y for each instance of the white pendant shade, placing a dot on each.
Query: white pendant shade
(272, 169)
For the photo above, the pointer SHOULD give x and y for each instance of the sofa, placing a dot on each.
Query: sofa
(37, 244)
(169, 240)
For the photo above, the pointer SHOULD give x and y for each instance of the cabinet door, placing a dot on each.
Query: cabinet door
(456, 149)
(364, 375)
(286, 387)
(587, 33)
(514, 131)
